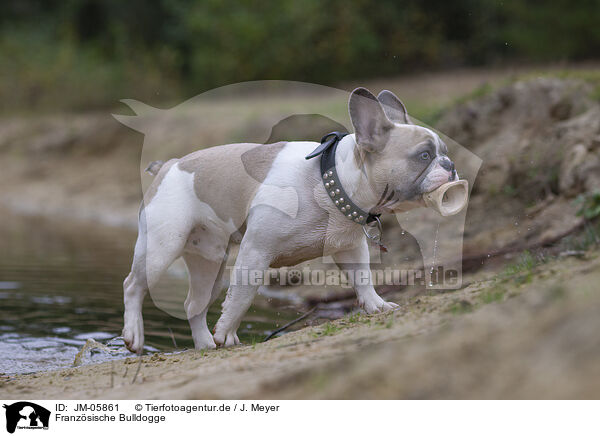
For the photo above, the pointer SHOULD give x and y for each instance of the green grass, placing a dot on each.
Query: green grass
(492, 295)
(525, 263)
(588, 238)
(589, 205)
(520, 272)
(254, 340)
(509, 191)
(489, 296)
(481, 91)
(328, 329)
(355, 318)
(460, 307)
(595, 94)
(588, 208)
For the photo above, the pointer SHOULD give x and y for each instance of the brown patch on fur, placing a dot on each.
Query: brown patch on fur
(299, 255)
(259, 160)
(227, 177)
(153, 188)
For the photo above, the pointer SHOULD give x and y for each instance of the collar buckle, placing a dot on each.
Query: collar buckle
(375, 237)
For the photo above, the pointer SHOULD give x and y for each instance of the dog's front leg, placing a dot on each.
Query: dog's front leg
(245, 281)
(355, 264)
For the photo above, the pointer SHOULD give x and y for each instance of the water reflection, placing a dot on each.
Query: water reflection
(61, 284)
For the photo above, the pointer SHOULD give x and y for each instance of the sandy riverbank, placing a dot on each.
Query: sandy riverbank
(528, 334)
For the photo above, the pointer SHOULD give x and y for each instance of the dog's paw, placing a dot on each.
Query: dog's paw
(376, 304)
(226, 339)
(205, 343)
(133, 334)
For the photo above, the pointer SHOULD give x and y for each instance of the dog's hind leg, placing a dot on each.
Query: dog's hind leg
(155, 250)
(205, 287)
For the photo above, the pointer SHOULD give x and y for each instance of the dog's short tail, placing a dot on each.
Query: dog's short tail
(154, 167)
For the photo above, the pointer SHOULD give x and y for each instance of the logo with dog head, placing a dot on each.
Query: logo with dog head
(26, 415)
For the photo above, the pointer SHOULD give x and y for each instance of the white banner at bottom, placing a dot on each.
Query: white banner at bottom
(266, 417)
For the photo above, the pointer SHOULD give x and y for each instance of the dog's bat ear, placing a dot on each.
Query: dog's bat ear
(393, 107)
(371, 125)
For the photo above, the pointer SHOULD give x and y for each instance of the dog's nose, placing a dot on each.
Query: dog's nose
(447, 164)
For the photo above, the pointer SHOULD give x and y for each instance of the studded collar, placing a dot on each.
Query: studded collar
(332, 183)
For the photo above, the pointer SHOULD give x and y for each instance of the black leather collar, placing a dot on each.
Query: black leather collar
(332, 183)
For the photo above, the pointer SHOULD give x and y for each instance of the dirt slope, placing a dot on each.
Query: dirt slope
(540, 144)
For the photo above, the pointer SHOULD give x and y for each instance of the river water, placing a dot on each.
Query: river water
(61, 284)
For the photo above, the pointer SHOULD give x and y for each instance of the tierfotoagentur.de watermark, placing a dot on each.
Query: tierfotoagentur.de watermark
(342, 277)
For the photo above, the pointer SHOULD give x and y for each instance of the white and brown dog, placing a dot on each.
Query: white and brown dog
(289, 212)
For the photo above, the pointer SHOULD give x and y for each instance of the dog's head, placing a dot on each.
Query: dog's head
(401, 160)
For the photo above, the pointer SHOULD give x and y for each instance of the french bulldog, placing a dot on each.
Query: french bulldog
(281, 210)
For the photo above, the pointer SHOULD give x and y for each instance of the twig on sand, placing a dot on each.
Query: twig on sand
(574, 253)
(137, 371)
(282, 328)
(172, 337)
(112, 374)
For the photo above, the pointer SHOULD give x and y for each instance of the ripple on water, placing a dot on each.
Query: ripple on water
(33, 354)
(8, 286)
(62, 284)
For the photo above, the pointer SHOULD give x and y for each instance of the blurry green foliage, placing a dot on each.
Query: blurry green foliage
(87, 53)
(589, 205)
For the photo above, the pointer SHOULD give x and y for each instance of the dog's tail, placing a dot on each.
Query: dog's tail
(154, 167)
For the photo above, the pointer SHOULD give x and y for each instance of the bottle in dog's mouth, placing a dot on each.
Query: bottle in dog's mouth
(449, 199)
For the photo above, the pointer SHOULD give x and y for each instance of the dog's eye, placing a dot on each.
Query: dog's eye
(425, 155)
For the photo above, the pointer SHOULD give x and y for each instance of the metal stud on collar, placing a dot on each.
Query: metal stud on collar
(350, 211)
